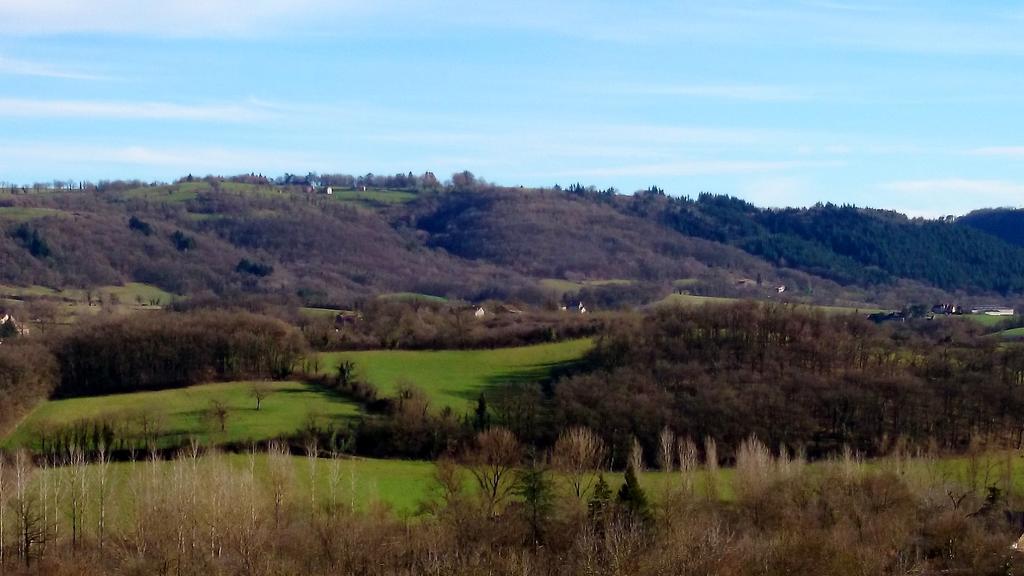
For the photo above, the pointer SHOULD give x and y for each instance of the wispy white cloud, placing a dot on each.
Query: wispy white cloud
(999, 151)
(29, 108)
(778, 191)
(939, 197)
(747, 92)
(700, 168)
(70, 157)
(179, 18)
(16, 67)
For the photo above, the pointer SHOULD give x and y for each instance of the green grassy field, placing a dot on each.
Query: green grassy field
(690, 300)
(571, 287)
(318, 312)
(186, 191)
(135, 292)
(36, 291)
(986, 320)
(1012, 333)
(373, 196)
(456, 378)
(24, 213)
(72, 303)
(182, 413)
(404, 485)
(412, 296)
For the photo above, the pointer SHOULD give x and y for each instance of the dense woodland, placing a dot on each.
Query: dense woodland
(847, 244)
(800, 379)
(1004, 223)
(152, 351)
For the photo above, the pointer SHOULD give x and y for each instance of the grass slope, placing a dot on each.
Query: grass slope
(690, 300)
(183, 411)
(24, 213)
(456, 378)
(570, 287)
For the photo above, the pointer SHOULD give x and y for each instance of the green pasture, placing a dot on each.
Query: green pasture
(26, 213)
(1012, 333)
(562, 286)
(456, 378)
(406, 296)
(186, 191)
(373, 196)
(135, 292)
(311, 312)
(183, 413)
(988, 321)
(690, 300)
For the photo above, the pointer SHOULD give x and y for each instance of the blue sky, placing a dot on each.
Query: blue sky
(914, 106)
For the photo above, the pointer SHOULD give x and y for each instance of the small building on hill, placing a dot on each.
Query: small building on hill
(948, 309)
(11, 327)
(883, 317)
(480, 312)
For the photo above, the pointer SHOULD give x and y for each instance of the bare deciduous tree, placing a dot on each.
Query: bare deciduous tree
(579, 454)
(666, 449)
(259, 392)
(218, 412)
(492, 463)
(636, 456)
(688, 461)
(711, 464)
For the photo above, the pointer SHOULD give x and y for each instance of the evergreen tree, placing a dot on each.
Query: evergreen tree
(632, 497)
(534, 487)
(600, 503)
(481, 420)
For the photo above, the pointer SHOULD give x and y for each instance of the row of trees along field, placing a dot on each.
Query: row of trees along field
(498, 510)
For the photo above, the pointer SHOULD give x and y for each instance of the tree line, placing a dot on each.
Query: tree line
(497, 509)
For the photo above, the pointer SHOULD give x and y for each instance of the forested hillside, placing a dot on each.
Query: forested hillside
(466, 239)
(1004, 223)
(853, 246)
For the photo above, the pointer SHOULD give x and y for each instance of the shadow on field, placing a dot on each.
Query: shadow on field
(544, 375)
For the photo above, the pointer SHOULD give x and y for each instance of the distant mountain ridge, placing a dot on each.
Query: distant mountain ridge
(473, 241)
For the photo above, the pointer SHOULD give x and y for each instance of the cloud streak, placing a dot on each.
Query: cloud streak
(701, 168)
(65, 157)
(119, 110)
(15, 67)
(937, 197)
(180, 18)
(744, 92)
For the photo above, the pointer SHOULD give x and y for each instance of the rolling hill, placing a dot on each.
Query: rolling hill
(218, 237)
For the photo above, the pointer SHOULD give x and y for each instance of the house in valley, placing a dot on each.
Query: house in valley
(10, 327)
